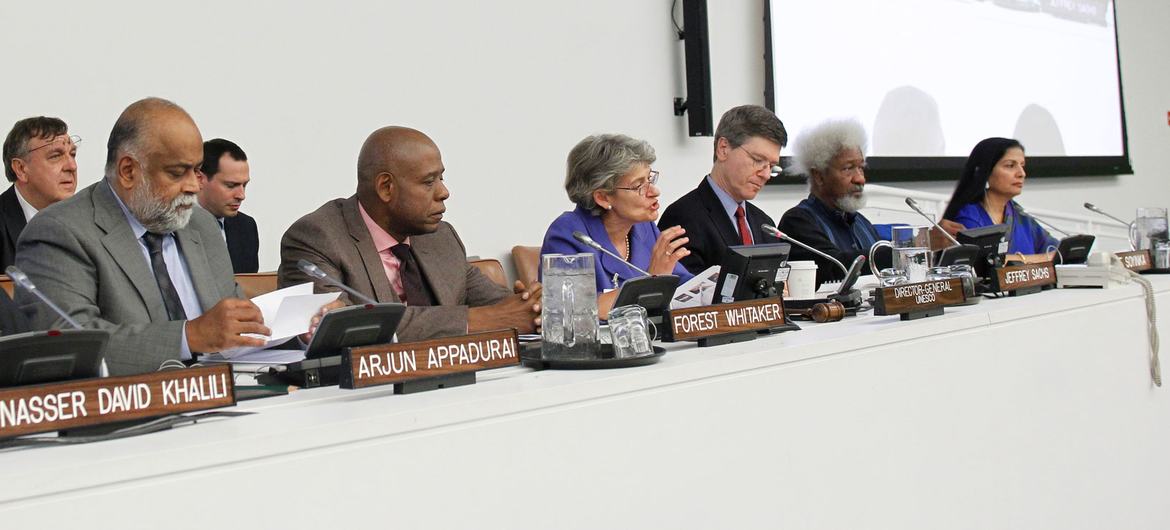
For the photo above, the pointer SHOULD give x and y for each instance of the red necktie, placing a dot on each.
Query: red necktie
(745, 233)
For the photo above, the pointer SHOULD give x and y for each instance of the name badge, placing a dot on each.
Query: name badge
(1136, 260)
(88, 402)
(385, 364)
(1024, 276)
(709, 320)
(917, 297)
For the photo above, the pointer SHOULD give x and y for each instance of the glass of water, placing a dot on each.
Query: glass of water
(568, 307)
(631, 335)
(911, 245)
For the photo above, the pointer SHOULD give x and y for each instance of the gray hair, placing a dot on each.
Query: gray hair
(816, 147)
(745, 122)
(596, 162)
(129, 133)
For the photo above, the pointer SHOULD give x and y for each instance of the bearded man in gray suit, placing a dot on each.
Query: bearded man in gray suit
(133, 255)
(389, 242)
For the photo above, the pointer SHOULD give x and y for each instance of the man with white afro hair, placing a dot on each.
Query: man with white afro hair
(832, 156)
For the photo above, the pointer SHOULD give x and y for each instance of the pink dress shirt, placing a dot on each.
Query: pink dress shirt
(383, 242)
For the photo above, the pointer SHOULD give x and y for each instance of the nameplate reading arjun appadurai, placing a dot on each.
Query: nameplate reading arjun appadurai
(720, 319)
(384, 364)
(88, 402)
(915, 297)
(1136, 260)
(1024, 276)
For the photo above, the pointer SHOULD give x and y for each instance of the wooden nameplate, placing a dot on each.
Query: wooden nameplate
(725, 323)
(101, 401)
(918, 300)
(445, 362)
(1136, 260)
(1024, 279)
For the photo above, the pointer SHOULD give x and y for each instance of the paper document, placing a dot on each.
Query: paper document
(287, 312)
(697, 291)
(259, 357)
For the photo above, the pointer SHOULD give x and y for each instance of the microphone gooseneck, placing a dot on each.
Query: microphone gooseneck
(1133, 244)
(776, 232)
(1041, 221)
(316, 273)
(20, 278)
(913, 204)
(588, 241)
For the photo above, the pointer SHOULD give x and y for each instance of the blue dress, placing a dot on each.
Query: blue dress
(610, 272)
(1025, 235)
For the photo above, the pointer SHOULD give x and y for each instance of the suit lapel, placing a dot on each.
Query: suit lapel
(364, 247)
(441, 284)
(120, 242)
(718, 215)
(191, 248)
(13, 214)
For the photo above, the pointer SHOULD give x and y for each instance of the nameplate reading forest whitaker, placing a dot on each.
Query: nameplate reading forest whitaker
(1136, 260)
(384, 364)
(693, 323)
(1024, 276)
(88, 402)
(920, 296)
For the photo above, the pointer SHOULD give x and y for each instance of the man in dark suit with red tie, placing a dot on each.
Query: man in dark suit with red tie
(717, 213)
(224, 179)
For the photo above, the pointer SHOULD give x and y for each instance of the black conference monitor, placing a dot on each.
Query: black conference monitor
(957, 255)
(353, 326)
(50, 356)
(1075, 249)
(990, 240)
(751, 272)
(651, 292)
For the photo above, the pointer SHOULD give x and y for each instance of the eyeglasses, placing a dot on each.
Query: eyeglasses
(73, 138)
(640, 189)
(761, 162)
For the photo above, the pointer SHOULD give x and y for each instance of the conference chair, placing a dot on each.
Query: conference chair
(492, 268)
(526, 262)
(256, 283)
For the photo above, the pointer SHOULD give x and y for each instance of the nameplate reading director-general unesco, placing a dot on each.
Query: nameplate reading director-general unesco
(1019, 277)
(385, 364)
(88, 402)
(918, 297)
(1136, 260)
(693, 323)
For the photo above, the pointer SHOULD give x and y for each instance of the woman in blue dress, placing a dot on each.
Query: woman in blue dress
(985, 195)
(610, 180)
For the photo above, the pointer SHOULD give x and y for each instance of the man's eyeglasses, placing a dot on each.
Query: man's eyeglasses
(761, 162)
(71, 139)
(640, 189)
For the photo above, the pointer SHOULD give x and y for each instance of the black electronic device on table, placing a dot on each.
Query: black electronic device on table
(958, 255)
(1074, 249)
(50, 356)
(347, 327)
(651, 292)
(991, 243)
(749, 272)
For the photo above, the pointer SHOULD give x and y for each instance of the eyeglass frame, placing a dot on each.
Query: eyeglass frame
(73, 138)
(761, 163)
(640, 189)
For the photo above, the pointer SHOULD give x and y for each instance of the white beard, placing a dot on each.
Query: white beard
(154, 215)
(852, 203)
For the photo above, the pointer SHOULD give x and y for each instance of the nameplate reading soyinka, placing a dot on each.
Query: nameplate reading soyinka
(88, 402)
(1023, 276)
(920, 296)
(1136, 260)
(720, 319)
(407, 361)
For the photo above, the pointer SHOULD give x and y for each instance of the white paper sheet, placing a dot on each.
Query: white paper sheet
(259, 357)
(287, 312)
(697, 291)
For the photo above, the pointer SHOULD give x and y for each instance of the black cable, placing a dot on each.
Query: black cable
(681, 35)
(159, 424)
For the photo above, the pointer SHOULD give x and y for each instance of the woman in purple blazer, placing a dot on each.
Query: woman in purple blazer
(610, 180)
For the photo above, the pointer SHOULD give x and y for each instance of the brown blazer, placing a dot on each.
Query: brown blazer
(335, 238)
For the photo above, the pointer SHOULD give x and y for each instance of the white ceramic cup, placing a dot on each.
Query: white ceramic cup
(802, 279)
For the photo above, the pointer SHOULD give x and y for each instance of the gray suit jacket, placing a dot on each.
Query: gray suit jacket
(82, 254)
(335, 238)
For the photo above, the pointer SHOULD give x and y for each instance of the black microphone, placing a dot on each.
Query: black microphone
(776, 232)
(316, 273)
(22, 279)
(913, 204)
(582, 237)
(1041, 221)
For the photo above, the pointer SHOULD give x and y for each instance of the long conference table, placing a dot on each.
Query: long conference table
(1027, 412)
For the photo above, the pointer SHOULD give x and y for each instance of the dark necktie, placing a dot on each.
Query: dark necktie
(413, 285)
(154, 244)
(745, 233)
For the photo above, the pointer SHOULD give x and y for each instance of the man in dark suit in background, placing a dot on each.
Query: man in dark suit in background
(389, 242)
(717, 214)
(40, 160)
(223, 179)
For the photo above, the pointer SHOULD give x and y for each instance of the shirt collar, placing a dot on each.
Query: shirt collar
(728, 203)
(382, 239)
(135, 225)
(28, 209)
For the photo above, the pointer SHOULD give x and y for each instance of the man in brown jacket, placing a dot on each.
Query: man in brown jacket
(389, 242)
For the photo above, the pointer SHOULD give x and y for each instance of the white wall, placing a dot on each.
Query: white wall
(504, 88)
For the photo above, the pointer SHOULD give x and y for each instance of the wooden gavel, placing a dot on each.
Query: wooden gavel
(830, 311)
